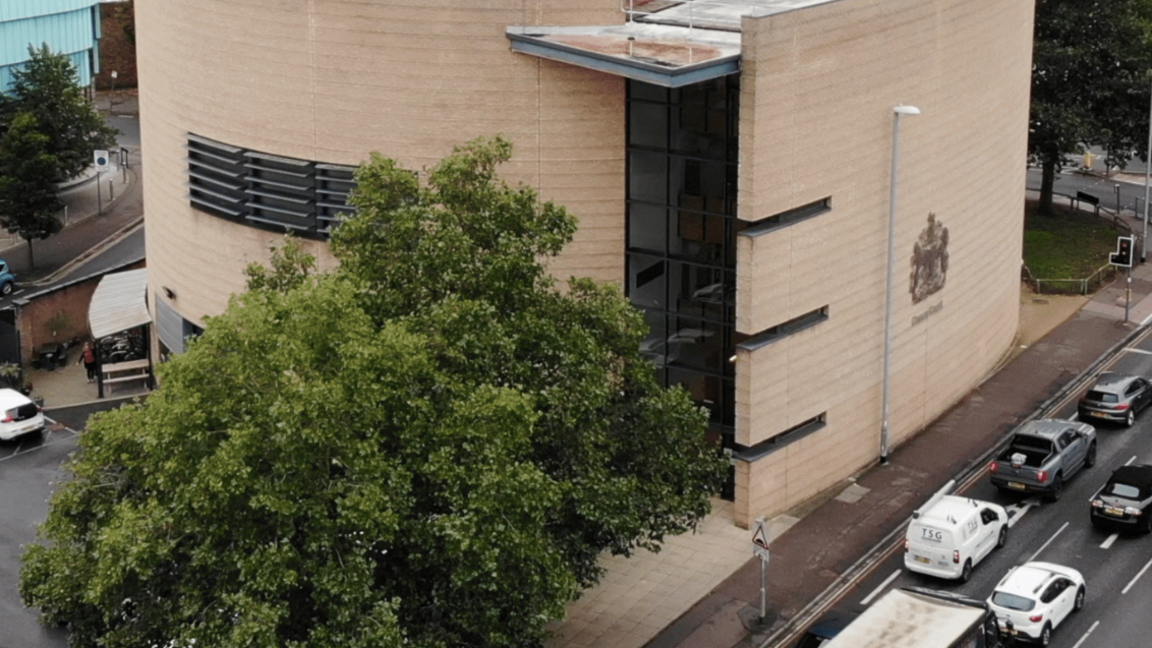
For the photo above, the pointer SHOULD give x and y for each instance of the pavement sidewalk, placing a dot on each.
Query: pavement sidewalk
(818, 553)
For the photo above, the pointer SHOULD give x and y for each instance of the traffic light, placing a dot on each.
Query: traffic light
(1123, 255)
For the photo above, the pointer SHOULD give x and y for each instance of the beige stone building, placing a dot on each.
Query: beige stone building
(731, 164)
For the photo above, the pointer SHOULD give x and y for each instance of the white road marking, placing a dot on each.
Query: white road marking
(1130, 460)
(1019, 510)
(1135, 350)
(1136, 577)
(1085, 636)
(876, 592)
(1108, 543)
(1045, 545)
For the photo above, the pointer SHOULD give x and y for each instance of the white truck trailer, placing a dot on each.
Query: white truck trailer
(916, 617)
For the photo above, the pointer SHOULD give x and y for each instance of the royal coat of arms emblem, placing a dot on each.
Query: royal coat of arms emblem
(929, 261)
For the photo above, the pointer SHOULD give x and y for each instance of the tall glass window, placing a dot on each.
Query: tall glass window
(682, 157)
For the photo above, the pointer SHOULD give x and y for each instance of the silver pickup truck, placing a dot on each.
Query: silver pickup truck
(1042, 455)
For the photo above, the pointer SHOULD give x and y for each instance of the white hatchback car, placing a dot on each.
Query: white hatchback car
(1034, 598)
(18, 415)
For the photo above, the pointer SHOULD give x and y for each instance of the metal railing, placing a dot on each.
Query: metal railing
(1089, 284)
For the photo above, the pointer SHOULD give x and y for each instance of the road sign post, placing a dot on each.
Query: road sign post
(760, 550)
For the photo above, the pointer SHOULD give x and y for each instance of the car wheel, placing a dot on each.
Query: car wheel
(1002, 539)
(1090, 458)
(1045, 637)
(1147, 523)
(1078, 604)
(6, 289)
(966, 572)
(1130, 417)
(1056, 490)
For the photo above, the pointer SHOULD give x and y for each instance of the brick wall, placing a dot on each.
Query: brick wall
(60, 315)
(117, 47)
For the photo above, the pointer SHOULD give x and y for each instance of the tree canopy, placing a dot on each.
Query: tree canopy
(1090, 82)
(47, 87)
(428, 446)
(28, 200)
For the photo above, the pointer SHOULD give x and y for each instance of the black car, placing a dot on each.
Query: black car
(1125, 502)
(825, 629)
(1116, 397)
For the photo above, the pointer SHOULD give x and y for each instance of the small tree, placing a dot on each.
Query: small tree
(28, 201)
(48, 88)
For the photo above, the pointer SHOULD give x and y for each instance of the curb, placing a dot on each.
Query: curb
(91, 252)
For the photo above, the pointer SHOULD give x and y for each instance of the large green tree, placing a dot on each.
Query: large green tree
(47, 86)
(1091, 66)
(28, 200)
(428, 446)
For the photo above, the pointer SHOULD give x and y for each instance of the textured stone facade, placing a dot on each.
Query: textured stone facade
(818, 90)
(333, 80)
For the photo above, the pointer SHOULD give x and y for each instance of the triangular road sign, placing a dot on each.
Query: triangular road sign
(759, 537)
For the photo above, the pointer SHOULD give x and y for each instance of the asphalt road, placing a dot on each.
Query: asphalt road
(1116, 567)
(1070, 181)
(29, 469)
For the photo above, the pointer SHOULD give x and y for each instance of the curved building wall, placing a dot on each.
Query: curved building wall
(333, 80)
(329, 81)
(70, 27)
(818, 90)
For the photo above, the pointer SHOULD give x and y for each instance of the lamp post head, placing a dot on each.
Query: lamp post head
(906, 110)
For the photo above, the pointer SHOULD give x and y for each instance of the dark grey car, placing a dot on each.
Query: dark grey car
(1125, 502)
(1116, 397)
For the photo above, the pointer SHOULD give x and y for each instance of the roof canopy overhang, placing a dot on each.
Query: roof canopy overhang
(667, 55)
(120, 303)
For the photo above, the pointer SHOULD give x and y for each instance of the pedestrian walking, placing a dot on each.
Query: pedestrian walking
(88, 357)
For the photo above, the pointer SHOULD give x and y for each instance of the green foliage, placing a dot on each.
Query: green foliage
(427, 447)
(1067, 244)
(290, 267)
(28, 201)
(47, 87)
(1090, 82)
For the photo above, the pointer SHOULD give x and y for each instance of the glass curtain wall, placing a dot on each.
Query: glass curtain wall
(682, 164)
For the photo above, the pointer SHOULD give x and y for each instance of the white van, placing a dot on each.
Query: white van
(950, 535)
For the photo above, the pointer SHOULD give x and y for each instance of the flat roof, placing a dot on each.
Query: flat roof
(671, 43)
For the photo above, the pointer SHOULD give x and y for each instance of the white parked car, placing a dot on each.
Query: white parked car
(950, 535)
(1034, 598)
(18, 415)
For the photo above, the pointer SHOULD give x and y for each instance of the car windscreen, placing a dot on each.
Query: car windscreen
(1127, 491)
(1101, 397)
(1012, 601)
(23, 412)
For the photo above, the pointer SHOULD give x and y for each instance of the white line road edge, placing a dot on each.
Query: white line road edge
(1085, 636)
(1045, 545)
(1136, 577)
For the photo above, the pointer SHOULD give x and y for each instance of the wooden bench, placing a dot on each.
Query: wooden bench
(119, 372)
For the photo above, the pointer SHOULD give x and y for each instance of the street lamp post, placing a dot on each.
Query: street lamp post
(1147, 171)
(896, 113)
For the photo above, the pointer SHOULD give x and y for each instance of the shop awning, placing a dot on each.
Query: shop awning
(119, 303)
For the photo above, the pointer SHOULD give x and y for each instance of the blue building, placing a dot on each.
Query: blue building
(70, 27)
